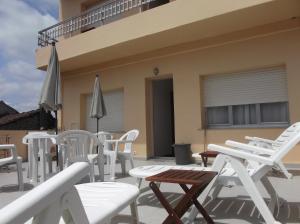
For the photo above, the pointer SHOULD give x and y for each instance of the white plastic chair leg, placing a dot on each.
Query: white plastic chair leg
(139, 182)
(112, 167)
(30, 167)
(61, 161)
(92, 172)
(20, 174)
(134, 213)
(285, 171)
(49, 160)
(216, 191)
(253, 192)
(35, 167)
(42, 162)
(100, 162)
(131, 162)
(123, 166)
(272, 193)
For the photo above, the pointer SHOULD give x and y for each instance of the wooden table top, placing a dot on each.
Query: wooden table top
(183, 177)
(209, 153)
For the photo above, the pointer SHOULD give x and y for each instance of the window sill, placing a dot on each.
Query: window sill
(284, 125)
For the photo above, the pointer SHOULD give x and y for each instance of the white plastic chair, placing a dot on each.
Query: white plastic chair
(57, 200)
(271, 144)
(107, 148)
(13, 158)
(127, 154)
(39, 147)
(247, 168)
(80, 146)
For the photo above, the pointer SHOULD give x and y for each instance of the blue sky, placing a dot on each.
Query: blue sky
(20, 21)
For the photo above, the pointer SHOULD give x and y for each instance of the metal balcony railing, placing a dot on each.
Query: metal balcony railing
(83, 22)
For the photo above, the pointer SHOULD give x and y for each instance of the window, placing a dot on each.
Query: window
(113, 121)
(255, 98)
(265, 114)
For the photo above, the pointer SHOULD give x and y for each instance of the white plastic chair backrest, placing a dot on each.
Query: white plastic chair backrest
(285, 136)
(287, 145)
(78, 144)
(34, 140)
(286, 142)
(129, 136)
(44, 197)
(103, 136)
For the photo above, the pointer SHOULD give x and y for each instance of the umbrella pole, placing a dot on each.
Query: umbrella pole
(97, 132)
(56, 132)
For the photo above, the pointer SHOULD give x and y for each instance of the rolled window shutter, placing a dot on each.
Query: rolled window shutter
(250, 87)
(113, 121)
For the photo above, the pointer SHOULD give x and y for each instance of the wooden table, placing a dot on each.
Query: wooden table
(198, 179)
(207, 154)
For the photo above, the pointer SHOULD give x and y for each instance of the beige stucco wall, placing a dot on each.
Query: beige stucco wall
(16, 138)
(282, 48)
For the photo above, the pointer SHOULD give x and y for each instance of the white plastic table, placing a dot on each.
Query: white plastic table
(143, 172)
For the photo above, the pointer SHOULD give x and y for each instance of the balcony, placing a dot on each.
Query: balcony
(97, 16)
(171, 28)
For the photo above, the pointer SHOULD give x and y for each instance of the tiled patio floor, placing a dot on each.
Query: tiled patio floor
(232, 207)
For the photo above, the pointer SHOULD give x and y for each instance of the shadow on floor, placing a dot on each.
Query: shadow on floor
(295, 172)
(151, 200)
(233, 208)
(15, 188)
(123, 219)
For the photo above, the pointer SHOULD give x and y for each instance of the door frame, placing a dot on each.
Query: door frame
(149, 111)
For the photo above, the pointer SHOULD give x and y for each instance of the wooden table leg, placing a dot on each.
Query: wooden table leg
(172, 213)
(204, 160)
(200, 208)
(183, 205)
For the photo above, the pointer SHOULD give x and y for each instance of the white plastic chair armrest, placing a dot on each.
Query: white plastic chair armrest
(7, 146)
(241, 154)
(12, 149)
(257, 139)
(248, 147)
(113, 141)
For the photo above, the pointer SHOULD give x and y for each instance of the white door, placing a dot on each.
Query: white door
(113, 121)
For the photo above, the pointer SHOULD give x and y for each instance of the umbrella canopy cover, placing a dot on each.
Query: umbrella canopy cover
(98, 109)
(50, 98)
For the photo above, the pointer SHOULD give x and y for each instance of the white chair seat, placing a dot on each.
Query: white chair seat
(108, 197)
(6, 160)
(102, 201)
(58, 200)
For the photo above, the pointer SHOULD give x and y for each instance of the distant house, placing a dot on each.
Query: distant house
(11, 119)
(6, 109)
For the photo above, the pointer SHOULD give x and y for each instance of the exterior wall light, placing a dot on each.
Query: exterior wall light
(155, 71)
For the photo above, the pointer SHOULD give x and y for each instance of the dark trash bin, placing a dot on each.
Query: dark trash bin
(182, 154)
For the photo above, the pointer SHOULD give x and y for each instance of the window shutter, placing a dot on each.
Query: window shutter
(113, 121)
(250, 87)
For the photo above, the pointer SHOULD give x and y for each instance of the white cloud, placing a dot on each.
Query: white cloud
(20, 24)
(20, 81)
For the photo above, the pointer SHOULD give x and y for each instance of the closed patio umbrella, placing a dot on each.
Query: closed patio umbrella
(50, 98)
(98, 109)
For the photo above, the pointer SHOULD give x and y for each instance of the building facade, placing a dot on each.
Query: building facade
(183, 71)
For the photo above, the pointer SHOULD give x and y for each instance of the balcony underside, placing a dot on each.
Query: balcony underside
(174, 27)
